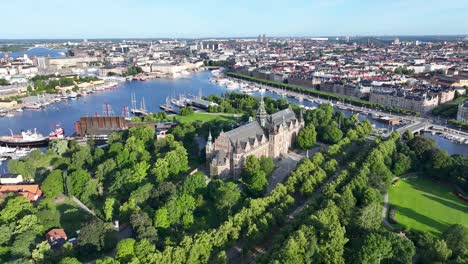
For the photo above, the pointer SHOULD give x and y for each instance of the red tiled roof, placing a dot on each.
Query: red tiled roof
(32, 192)
(56, 234)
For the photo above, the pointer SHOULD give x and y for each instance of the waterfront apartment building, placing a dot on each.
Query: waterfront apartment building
(462, 113)
(420, 103)
(357, 91)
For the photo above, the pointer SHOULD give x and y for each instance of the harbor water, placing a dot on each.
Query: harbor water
(154, 92)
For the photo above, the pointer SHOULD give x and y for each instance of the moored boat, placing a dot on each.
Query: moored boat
(58, 133)
(25, 139)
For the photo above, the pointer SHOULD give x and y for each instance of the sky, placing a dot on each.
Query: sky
(235, 18)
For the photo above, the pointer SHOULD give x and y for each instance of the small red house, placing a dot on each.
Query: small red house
(56, 238)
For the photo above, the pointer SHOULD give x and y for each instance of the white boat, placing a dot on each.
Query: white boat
(4, 150)
(72, 95)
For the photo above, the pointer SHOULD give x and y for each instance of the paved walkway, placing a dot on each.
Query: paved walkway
(385, 212)
(284, 167)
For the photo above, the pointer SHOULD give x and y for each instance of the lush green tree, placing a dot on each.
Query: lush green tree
(180, 209)
(194, 184)
(375, 248)
(300, 247)
(440, 251)
(161, 170)
(143, 226)
(224, 195)
(142, 194)
(49, 218)
(186, 111)
(22, 245)
(53, 184)
(254, 178)
(307, 137)
(21, 167)
(456, 237)
(403, 249)
(420, 145)
(107, 260)
(42, 253)
(143, 250)
(402, 164)
(104, 169)
(439, 163)
(77, 182)
(125, 250)
(28, 223)
(267, 165)
(14, 208)
(81, 157)
(256, 182)
(95, 236)
(369, 217)
(432, 249)
(331, 235)
(109, 206)
(6, 233)
(58, 146)
(407, 135)
(331, 134)
(69, 260)
(161, 218)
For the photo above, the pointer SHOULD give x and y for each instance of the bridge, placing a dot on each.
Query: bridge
(415, 127)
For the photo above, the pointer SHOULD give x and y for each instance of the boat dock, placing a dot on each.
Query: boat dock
(169, 109)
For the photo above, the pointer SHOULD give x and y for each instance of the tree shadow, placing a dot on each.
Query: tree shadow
(448, 203)
(71, 218)
(410, 213)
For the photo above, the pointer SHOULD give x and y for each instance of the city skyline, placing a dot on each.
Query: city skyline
(54, 19)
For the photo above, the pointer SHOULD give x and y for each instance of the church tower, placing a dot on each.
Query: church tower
(209, 148)
(262, 113)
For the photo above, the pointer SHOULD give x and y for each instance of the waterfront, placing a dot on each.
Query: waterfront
(155, 93)
(38, 51)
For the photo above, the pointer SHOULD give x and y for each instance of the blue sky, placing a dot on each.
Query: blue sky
(236, 18)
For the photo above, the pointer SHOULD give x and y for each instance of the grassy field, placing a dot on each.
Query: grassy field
(205, 117)
(423, 205)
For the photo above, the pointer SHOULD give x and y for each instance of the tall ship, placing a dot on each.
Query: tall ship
(25, 139)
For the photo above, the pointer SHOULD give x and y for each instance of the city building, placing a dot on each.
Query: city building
(10, 178)
(268, 135)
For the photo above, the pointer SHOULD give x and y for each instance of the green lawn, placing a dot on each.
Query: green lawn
(424, 205)
(205, 117)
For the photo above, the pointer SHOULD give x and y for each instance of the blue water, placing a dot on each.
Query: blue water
(67, 112)
(155, 93)
(37, 52)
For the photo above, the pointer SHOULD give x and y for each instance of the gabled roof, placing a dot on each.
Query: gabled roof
(30, 191)
(277, 118)
(56, 234)
(245, 132)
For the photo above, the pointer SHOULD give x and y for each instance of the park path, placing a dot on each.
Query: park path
(385, 212)
(385, 221)
(284, 167)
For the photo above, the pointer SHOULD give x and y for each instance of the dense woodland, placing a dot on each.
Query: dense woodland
(329, 209)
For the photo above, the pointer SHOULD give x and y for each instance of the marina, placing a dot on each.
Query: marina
(161, 93)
